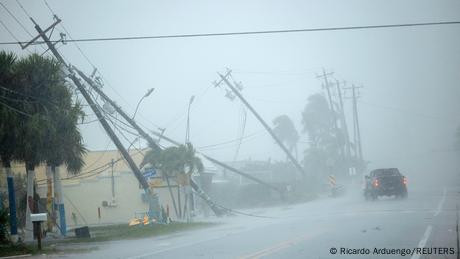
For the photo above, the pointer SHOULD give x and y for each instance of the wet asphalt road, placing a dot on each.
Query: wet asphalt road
(427, 218)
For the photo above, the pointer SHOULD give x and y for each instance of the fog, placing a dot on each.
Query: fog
(408, 105)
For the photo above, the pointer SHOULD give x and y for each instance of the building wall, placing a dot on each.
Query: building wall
(84, 193)
(82, 200)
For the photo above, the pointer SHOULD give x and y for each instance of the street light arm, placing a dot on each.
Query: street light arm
(139, 103)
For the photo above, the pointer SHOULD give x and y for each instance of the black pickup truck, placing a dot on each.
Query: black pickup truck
(385, 182)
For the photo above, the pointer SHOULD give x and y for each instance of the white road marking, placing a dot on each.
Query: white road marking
(422, 242)
(441, 203)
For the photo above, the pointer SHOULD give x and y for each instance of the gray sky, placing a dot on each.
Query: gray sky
(410, 101)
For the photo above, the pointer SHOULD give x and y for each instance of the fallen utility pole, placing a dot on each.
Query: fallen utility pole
(118, 109)
(277, 140)
(147, 137)
(215, 161)
(96, 110)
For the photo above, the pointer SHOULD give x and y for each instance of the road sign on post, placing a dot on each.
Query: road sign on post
(332, 181)
(149, 173)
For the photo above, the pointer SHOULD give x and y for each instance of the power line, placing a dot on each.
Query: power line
(28, 95)
(49, 7)
(92, 172)
(230, 141)
(11, 33)
(218, 34)
(92, 64)
(8, 30)
(15, 110)
(24, 10)
(16, 19)
(70, 36)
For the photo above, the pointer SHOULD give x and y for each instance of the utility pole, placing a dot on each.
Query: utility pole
(327, 86)
(162, 136)
(153, 144)
(95, 109)
(343, 121)
(328, 91)
(277, 140)
(187, 130)
(113, 181)
(357, 133)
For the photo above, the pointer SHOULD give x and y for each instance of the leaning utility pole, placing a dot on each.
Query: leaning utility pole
(216, 209)
(272, 134)
(161, 134)
(328, 91)
(343, 120)
(357, 133)
(153, 144)
(94, 107)
(326, 85)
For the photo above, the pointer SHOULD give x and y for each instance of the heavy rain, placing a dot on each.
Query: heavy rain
(229, 129)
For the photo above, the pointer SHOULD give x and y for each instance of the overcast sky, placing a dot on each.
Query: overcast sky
(409, 106)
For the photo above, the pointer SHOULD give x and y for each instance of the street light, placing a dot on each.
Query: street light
(187, 132)
(145, 95)
(187, 189)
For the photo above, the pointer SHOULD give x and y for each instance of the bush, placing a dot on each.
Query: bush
(3, 226)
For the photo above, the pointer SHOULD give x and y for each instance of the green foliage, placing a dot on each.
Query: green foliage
(45, 128)
(285, 130)
(318, 120)
(9, 119)
(3, 225)
(174, 160)
(323, 155)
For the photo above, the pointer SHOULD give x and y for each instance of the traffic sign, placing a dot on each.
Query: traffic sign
(149, 173)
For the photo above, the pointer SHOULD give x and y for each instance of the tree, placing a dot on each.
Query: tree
(285, 130)
(317, 119)
(66, 147)
(174, 162)
(323, 155)
(49, 134)
(9, 123)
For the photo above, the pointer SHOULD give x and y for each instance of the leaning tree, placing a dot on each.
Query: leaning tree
(285, 130)
(177, 162)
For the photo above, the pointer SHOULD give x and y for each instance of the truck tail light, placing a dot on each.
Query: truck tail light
(376, 183)
(404, 180)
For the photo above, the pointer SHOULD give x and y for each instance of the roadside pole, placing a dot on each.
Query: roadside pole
(264, 124)
(95, 108)
(12, 205)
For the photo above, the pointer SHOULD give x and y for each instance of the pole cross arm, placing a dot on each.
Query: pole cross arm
(270, 131)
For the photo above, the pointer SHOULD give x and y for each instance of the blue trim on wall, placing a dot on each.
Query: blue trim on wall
(12, 204)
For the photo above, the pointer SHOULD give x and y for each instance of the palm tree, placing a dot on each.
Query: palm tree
(179, 162)
(285, 130)
(66, 147)
(50, 133)
(8, 129)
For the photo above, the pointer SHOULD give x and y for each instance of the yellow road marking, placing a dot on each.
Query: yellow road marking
(275, 248)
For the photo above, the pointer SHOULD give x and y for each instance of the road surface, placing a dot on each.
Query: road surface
(426, 219)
